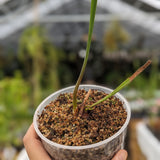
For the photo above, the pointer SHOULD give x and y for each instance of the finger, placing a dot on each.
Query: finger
(121, 155)
(34, 146)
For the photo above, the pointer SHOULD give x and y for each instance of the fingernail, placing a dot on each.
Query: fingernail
(122, 156)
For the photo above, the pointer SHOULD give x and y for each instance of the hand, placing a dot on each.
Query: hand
(121, 155)
(34, 146)
(36, 151)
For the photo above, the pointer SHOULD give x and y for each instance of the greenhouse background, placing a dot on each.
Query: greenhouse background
(42, 46)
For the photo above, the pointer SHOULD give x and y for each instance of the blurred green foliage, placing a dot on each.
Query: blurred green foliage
(116, 37)
(40, 61)
(14, 109)
(147, 84)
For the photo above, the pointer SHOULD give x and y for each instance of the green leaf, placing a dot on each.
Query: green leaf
(91, 25)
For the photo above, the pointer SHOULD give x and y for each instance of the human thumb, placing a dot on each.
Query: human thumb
(121, 155)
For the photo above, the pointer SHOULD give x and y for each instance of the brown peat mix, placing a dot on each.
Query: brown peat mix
(60, 124)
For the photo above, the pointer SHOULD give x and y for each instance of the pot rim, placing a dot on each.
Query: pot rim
(101, 88)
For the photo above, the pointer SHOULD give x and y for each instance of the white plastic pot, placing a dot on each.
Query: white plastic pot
(103, 150)
(149, 144)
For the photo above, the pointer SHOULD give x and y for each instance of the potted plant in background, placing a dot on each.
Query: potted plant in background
(84, 121)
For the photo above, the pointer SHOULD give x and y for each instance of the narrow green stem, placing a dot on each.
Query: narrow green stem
(122, 85)
(91, 24)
